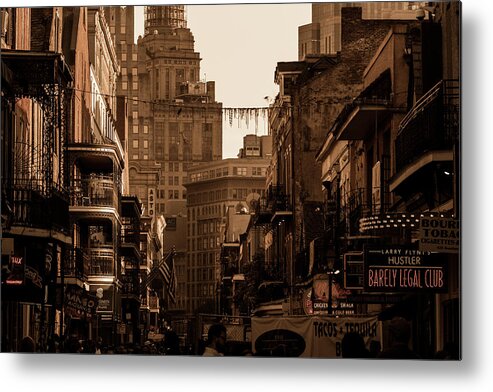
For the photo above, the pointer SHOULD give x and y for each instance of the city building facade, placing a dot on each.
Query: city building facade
(36, 97)
(211, 190)
(400, 135)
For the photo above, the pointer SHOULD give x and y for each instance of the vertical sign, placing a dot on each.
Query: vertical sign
(151, 201)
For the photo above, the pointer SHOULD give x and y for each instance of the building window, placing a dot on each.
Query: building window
(134, 56)
(258, 171)
(146, 129)
(135, 114)
(135, 144)
(124, 71)
(134, 71)
(124, 85)
(239, 171)
(135, 156)
(135, 86)
(146, 144)
(122, 29)
(124, 57)
(146, 157)
(135, 129)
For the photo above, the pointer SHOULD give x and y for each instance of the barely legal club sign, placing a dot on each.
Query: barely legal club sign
(403, 269)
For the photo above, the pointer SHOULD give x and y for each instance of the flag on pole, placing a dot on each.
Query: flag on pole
(165, 268)
(167, 271)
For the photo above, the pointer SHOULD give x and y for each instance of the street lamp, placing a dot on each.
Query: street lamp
(330, 274)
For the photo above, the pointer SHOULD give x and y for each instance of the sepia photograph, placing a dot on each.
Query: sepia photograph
(175, 182)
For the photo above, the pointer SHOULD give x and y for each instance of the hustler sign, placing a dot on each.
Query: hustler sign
(404, 269)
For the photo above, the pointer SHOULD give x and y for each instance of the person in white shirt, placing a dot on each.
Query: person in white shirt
(216, 341)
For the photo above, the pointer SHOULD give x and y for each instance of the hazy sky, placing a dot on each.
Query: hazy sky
(240, 45)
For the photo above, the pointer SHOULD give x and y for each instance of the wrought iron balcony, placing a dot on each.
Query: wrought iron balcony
(276, 201)
(362, 203)
(130, 232)
(77, 264)
(94, 191)
(432, 124)
(130, 283)
(32, 203)
(102, 261)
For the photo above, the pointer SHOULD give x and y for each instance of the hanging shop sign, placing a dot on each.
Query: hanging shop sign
(151, 200)
(439, 234)
(15, 272)
(310, 336)
(33, 275)
(79, 304)
(105, 303)
(404, 269)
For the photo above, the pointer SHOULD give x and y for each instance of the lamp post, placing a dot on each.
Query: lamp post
(330, 274)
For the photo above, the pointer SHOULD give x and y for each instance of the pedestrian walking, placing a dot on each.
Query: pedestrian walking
(216, 341)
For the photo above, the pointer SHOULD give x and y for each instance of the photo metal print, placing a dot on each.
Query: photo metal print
(175, 184)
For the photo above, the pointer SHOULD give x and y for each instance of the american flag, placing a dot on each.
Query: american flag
(166, 268)
(167, 271)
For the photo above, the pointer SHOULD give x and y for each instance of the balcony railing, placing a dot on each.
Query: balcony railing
(130, 233)
(130, 283)
(32, 204)
(102, 261)
(77, 264)
(432, 124)
(361, 203)
(275, 200)
(94, 191)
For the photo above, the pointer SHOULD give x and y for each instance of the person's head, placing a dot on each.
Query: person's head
(353, 346)
(27, 345)
(216, 337)
(400, 330)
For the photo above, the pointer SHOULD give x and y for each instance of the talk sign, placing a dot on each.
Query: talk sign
(404, 269)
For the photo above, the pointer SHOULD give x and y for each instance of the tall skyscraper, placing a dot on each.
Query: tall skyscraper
(174, 119)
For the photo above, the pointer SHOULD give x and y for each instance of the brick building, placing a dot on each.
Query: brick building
(323, 34)
(312, 92)
(397, 169)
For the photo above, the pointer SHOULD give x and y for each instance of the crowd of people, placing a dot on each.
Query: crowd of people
(352, 345)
